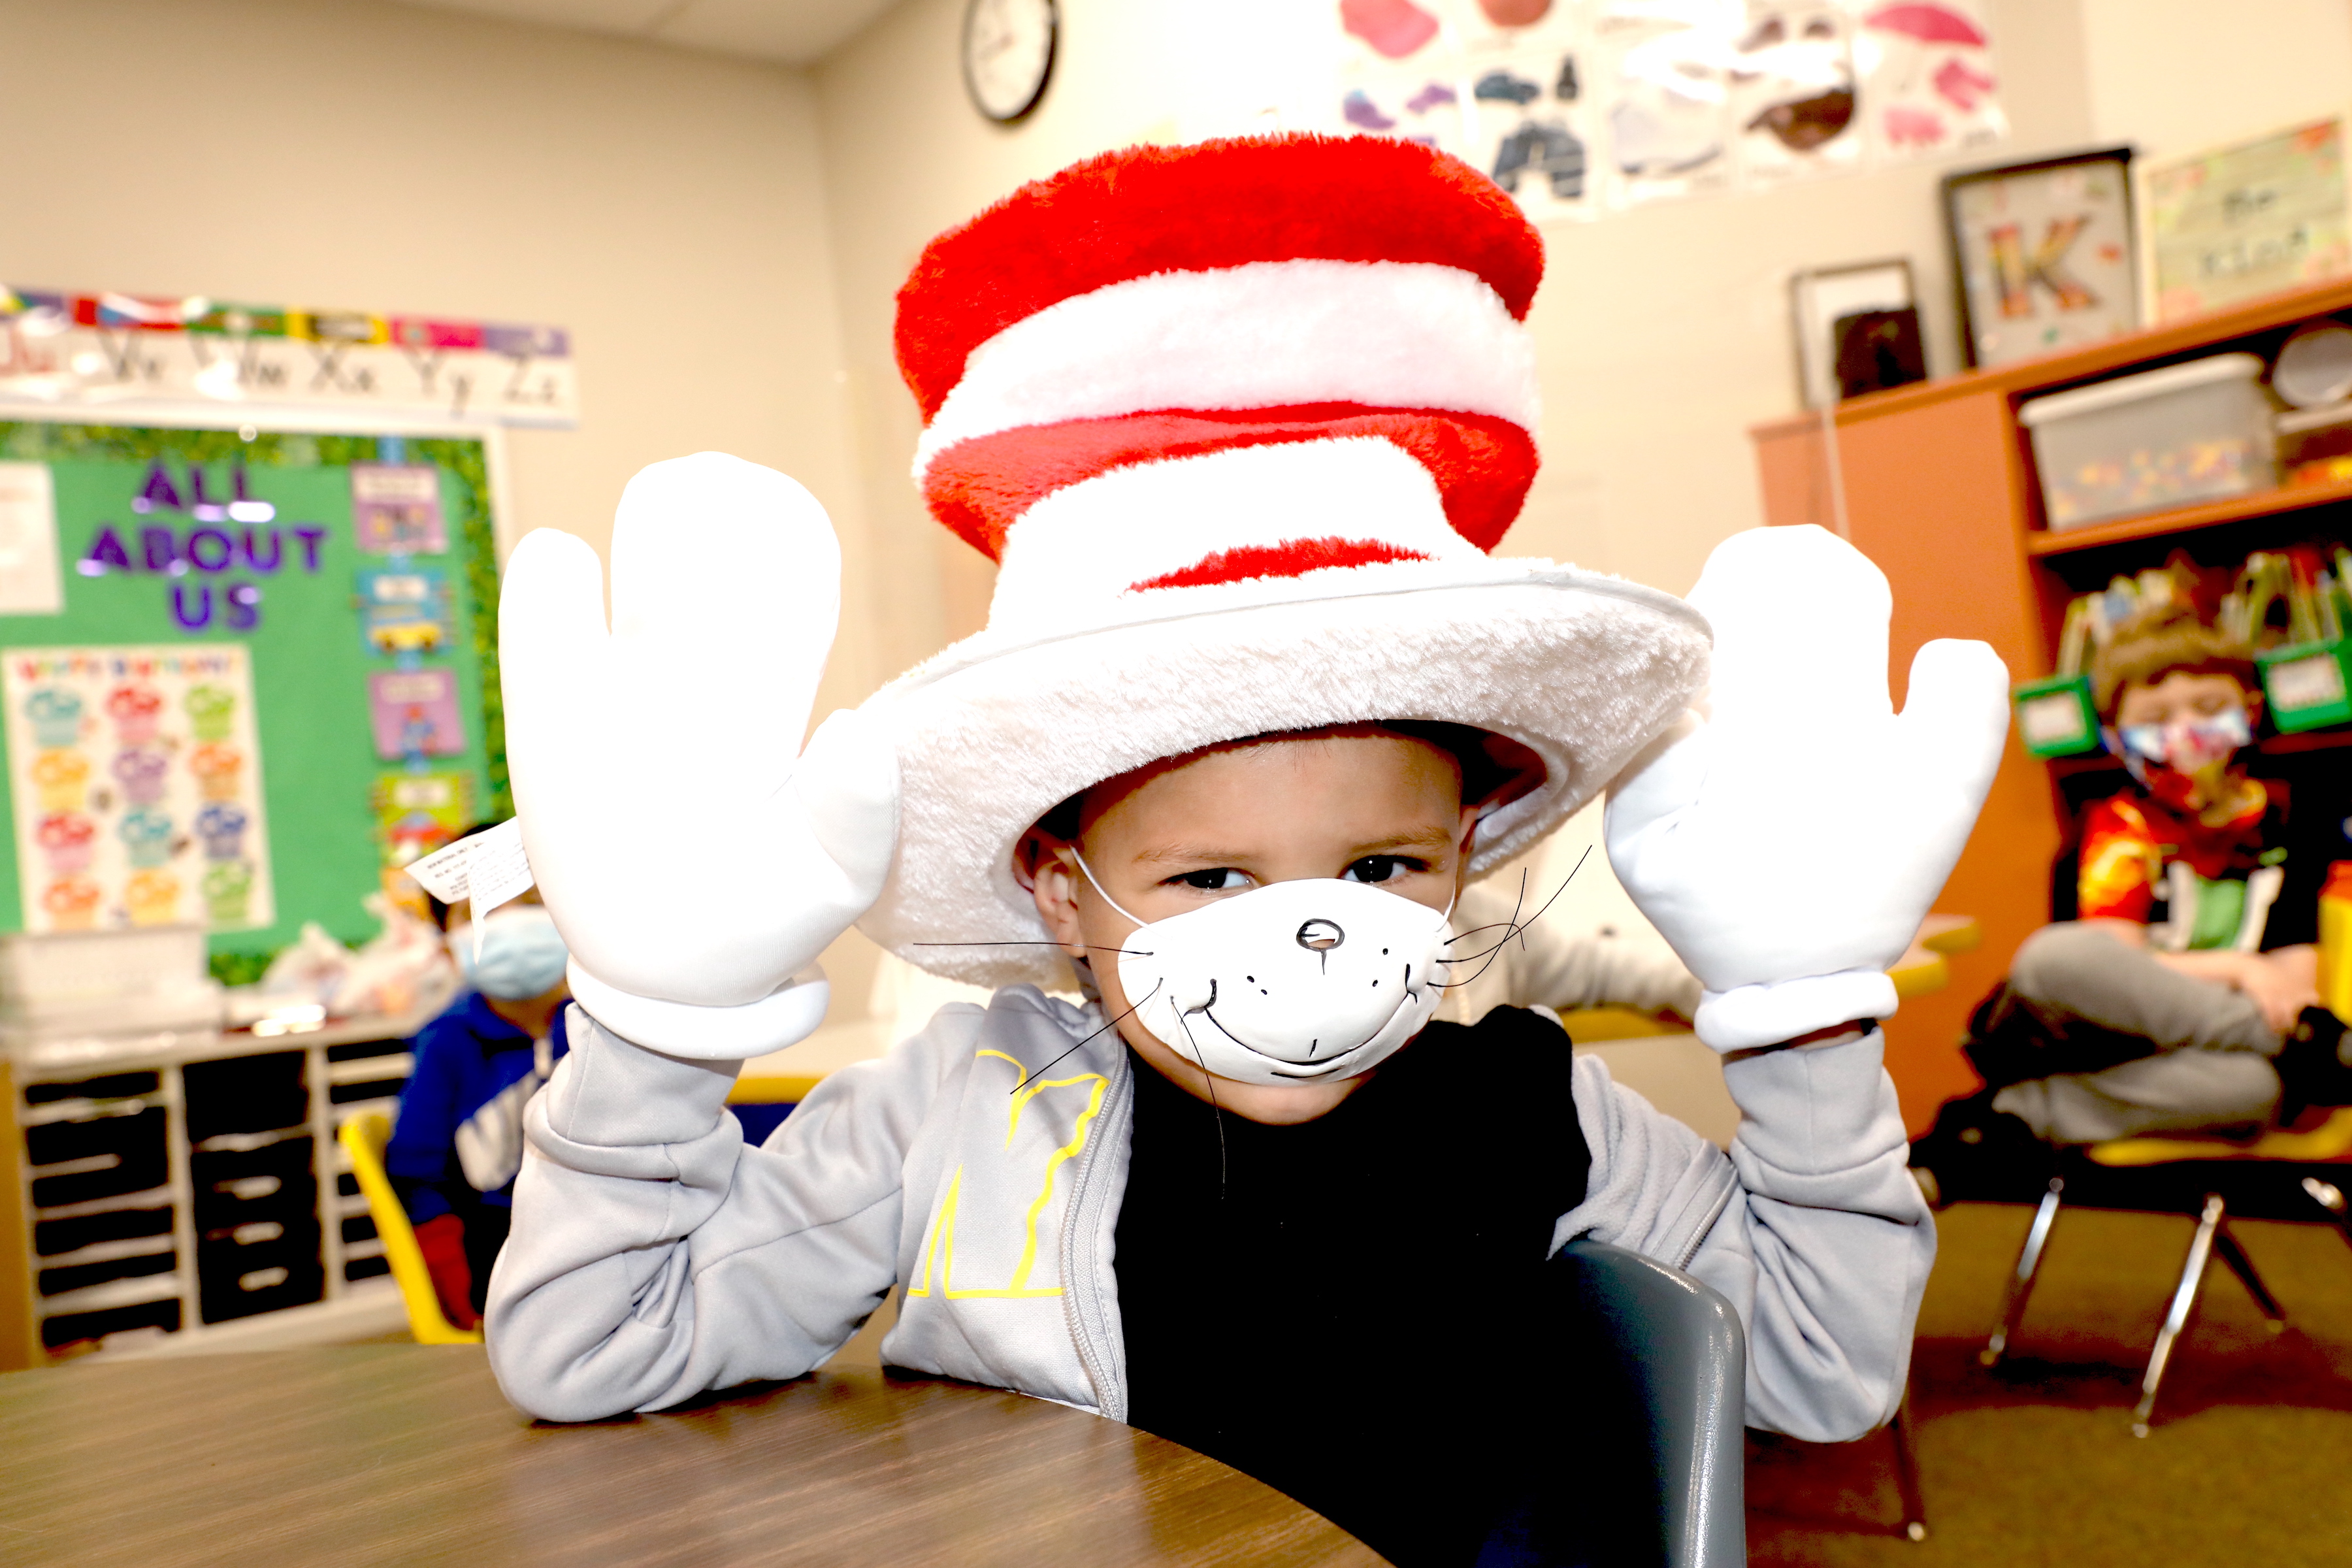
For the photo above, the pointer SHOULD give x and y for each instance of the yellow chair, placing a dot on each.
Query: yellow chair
(365, 1135)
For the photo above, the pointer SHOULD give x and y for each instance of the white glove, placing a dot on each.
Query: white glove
(1789, 846)
(693, 866)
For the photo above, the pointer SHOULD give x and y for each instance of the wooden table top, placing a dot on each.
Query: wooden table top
(380, 1454)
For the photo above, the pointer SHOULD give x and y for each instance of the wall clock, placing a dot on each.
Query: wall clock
(1008, 55)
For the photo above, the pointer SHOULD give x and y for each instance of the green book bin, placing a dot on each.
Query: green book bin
(2056, 717)
(2306, 684)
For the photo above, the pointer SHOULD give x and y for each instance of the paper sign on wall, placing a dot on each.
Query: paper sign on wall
(29, 580)
(137, 784)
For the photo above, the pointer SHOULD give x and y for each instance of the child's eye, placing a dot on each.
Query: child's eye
(1381, 867)
(1217, 879)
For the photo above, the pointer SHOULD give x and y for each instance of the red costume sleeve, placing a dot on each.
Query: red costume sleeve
(2121, 863)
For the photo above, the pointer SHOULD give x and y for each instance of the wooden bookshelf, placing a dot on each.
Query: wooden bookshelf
(1941, 491)
(2280, 503)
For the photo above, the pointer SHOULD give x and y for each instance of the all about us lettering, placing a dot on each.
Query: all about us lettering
(203, 553)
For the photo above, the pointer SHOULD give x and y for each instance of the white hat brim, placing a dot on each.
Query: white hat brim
(1583, 669)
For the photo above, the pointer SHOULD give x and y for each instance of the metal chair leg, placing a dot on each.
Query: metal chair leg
(2184, 1297)
(1907, 1471)
(2329, 1196)
(2243, 1266)
(2020, 1282)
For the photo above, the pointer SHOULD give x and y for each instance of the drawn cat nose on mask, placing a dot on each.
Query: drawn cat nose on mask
(1320, 935)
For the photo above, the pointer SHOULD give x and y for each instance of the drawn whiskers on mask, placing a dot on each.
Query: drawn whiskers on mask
(1092, 947)
(1099, 1034)
(1513, 929)
(1209, 1081)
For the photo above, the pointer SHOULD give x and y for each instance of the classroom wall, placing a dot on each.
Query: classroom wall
(2173, 75)
(665, 206)
(1662, 334)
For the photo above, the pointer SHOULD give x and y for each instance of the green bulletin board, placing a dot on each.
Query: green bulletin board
(288, 588)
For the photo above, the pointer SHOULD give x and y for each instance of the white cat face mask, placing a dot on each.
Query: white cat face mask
(1299, 981)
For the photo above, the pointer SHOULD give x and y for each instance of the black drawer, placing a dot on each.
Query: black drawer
(249, 1185)
(245, 1094)
(126, 1152)
(80, 1275)
(114, 1086)
(52, 1236)
(234, 1281)
(73, 1328)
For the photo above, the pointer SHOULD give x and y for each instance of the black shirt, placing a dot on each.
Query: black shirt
(1323, 1306)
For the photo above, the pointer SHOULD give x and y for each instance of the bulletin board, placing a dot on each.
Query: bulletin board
(247, 674)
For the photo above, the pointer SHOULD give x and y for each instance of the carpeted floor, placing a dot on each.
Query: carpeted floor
(2249, 1461)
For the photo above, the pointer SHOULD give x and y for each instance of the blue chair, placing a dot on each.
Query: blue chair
(1674, 1367)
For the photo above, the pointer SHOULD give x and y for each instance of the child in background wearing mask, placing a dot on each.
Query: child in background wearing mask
(458, 1140)
(2183, 997)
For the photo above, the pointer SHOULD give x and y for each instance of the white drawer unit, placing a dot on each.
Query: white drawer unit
(189, 1188)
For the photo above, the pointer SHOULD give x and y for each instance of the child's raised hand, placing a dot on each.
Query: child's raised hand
(695, 858)
(1789, 846)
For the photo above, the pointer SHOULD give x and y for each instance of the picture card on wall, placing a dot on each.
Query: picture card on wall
(415, 713)
(404, 609)
(417, 813)
(396, 509)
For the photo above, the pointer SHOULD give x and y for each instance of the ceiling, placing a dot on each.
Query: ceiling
(791, 32)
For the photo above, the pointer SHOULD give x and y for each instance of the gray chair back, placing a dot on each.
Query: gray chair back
(1679, 1353)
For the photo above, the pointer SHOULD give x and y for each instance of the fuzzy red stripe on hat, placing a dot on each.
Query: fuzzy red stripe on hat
(1337, 298)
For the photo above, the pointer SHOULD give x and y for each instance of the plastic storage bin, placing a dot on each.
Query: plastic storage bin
(2142, 443)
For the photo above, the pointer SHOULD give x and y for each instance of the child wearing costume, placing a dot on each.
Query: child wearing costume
(457, 1140)
(1239, 423)
(2183, 995)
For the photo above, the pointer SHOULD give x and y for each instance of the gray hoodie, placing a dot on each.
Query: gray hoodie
(654, 1255)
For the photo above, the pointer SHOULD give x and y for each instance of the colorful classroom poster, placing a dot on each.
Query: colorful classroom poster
(136, 777)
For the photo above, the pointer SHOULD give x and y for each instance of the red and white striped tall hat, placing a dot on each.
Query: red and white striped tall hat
(1239, 422)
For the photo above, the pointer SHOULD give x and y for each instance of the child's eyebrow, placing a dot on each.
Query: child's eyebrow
(1175, 854)
(1431, 837)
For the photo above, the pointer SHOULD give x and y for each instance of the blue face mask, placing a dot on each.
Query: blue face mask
(523, 955)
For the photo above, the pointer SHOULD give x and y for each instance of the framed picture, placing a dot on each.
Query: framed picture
(2252, 218)
(2042, 258)
(1857, 331)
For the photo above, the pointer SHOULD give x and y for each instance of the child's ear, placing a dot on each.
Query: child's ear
(1041, 865)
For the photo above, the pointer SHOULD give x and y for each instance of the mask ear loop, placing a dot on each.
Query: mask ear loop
(1099, 888)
